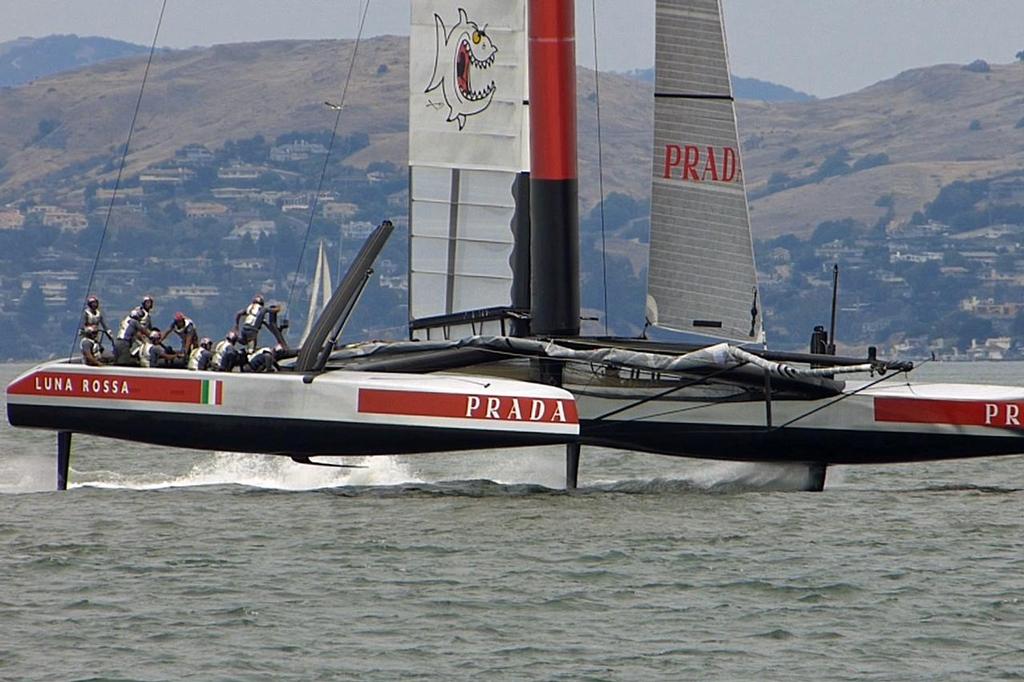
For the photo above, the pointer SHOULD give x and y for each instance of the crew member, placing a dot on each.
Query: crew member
(146, 307)
(226, 354)
(93, 316)
(130, 338)
(185, 328)
(249, 320)
(91, 350)
(153, 351)
(199, 358)
(264, 360)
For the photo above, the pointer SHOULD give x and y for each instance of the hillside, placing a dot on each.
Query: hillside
(935, 125)
(906, 136)
(26, 59)
(743, 88)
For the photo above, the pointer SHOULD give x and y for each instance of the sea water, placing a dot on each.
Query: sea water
(162, 564)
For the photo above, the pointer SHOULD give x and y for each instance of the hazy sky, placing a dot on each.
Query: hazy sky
(824, 47)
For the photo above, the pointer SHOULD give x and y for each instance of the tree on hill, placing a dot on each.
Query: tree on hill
(834, 230)
(1020, 56)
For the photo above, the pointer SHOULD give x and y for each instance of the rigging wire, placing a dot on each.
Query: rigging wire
(330, 146)
(600, 166)
(841, 398)
(124, 159)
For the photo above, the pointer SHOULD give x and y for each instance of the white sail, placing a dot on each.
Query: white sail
(320, 292)
(467, 118)
(701, 277)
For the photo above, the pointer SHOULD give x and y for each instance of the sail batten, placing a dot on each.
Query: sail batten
(701, 275)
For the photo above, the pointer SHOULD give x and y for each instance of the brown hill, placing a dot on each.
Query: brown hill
(921, 119)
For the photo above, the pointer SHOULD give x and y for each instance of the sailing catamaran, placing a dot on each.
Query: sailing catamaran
(495, 358)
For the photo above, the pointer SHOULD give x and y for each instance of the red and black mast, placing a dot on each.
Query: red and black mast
(554, 187)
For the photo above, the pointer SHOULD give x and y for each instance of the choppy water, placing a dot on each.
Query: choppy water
(167, 565)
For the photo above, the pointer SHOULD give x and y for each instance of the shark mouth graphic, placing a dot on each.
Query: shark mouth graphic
(464, 61)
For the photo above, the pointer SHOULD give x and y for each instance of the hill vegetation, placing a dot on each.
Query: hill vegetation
(26, 59)
(912, 185)
(805, 161)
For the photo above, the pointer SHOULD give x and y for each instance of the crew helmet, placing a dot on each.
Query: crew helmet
(154, 335)
(258, 298)
(205, 342)
(179, 317)
(92, 301)
(149, 300)
(232, 336)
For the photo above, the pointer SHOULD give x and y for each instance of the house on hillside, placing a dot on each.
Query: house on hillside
(256, 229)
(53, 284)
(204, 209)
(160, 178)
(300, 150)
(195, 154)
(67, 221)
(196, 294)
(989, 308)
(338, 210)
(358, 230)
(11, 219)
(240, 171)
(123, 194)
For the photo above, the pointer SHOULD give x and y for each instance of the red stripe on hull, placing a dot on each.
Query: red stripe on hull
(468, 406)
(998, 413)
(109, 387)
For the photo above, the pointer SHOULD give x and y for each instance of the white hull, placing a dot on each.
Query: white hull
(334, 413)
(366, 413)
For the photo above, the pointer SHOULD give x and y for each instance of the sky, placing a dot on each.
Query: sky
(822, 47)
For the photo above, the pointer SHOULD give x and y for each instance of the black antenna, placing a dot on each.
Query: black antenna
(832, 326)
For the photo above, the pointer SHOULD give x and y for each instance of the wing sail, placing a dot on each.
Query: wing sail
(702, 277)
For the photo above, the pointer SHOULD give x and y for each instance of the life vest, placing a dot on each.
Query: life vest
(219, 349)
(143, 353)
(91, 318)
(124, 327)
(252, 313)
(195, 356)
(265, 355)
(184, 330)
(145, 319)
(94, 348)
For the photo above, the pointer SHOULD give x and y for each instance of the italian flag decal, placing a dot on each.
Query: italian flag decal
(213, 392)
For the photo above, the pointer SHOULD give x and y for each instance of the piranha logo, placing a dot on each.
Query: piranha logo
(462, 55)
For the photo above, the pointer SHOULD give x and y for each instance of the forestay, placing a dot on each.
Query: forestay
(467, 118)
(701, 277)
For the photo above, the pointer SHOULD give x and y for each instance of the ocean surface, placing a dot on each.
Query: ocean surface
(164, 564)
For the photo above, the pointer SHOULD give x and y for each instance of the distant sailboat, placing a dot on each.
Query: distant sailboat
(320, 292)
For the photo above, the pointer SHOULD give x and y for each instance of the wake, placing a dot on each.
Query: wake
(516, 471)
